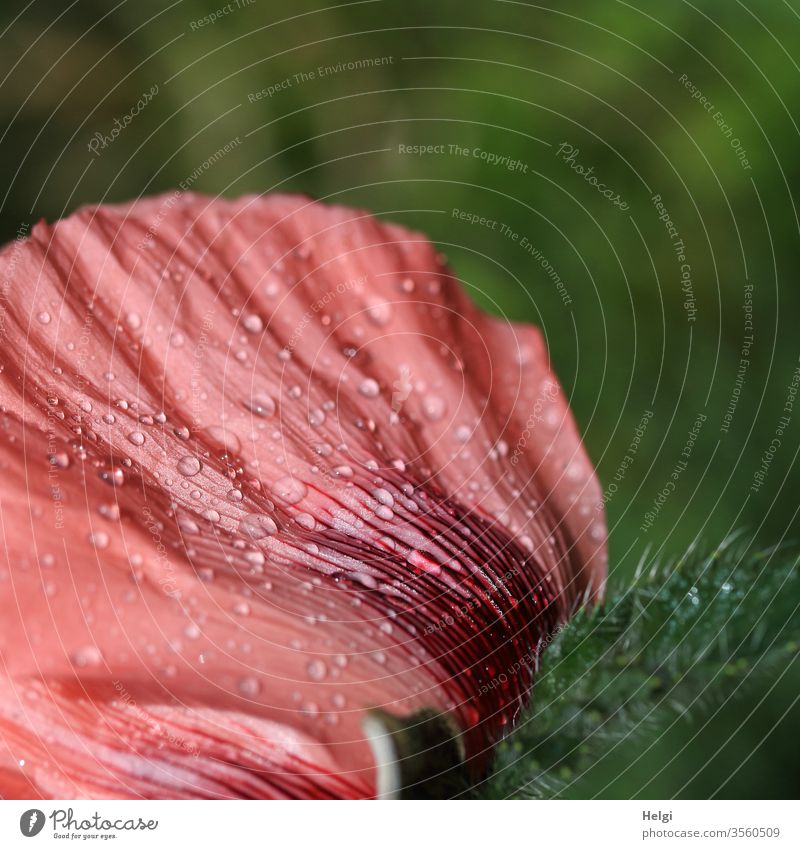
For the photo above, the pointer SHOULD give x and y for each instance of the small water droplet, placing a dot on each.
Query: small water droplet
(249, 687)
(192, 631)
(136, 437)
(59, 460)
(114, 476)
(317, 670)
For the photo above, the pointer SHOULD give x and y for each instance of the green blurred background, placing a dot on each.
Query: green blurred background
(613, 80)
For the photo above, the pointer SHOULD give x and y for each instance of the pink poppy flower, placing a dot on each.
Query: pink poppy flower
(265, 473)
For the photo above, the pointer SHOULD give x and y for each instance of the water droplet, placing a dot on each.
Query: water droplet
(44, 317)
(252, 323)
(383, 496)
(379, 311)
(462, 434)
(188, 525)
(225, 438)
(261, 404)
(192, 631)
(87, 656)
(189, 466)
(289, 489)
(60, 460)
(316, 417)
(257, 526)
(433, 408)
(249, 687)
(420, 561)
(369, 388)
(306, 520)
(136, 437)
(114, 476)
(317, 670)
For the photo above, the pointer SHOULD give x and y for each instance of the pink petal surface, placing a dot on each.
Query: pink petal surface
(264, 466)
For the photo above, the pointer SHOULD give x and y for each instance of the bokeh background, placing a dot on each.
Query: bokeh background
(620, 83)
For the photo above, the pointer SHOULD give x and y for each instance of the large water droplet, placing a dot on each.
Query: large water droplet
(290, 489)
(420, 561)
(261, 404)
(249, 687)
(317, 670)
(87, 656)
(257, 526)
(369, 388)
(189, 466)
(114, 476)
(379, 311)
(252, 323)
(433, 408)
(100, 540)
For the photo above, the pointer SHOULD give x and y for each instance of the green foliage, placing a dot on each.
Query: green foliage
(684, 635)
